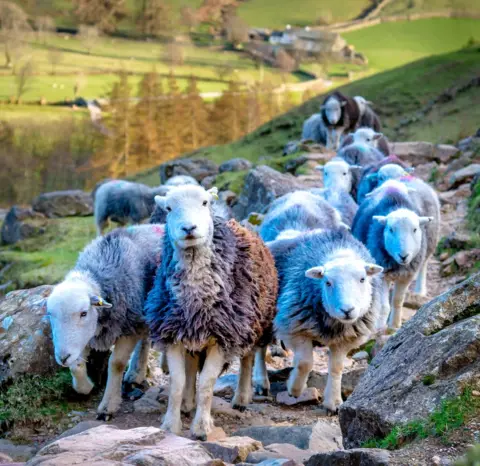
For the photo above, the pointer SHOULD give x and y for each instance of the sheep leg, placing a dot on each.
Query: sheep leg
(191, 369)
(338, 137)
(260, 373)
(134, 382)
(332, 397)
(112, 397)
(302, 365)
(164, 363)
(243, 393)
(384, 306)
(203, 424)
(331, 138)
(398, 297)
(80, 380)
(172, 421)
(421, 282)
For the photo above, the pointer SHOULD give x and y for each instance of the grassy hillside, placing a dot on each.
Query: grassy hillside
(402, 7)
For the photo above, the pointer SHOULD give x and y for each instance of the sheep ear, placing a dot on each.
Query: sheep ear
(410, 169)
(377, 136)
(425, 220)
(373, 269)
(380, 219)
(369, 102)
(97, 301)
(315, 272)
(213, 192)
(320, 168)
(343, 104)
(160, 201)
(345, 226)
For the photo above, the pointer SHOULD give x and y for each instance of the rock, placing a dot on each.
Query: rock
(440, 342)
(455, 241)
(309, 395)
(415, 301)
(228, 197)
(225, 385)
(80, 427)
(16, 452)
(232, 449)
(235, 165)
(108, 445)
(360, 356)
(423, 152)
(350, 380)
(64, 204)
(287, 450)
(426, 171)
(209, 181)
(354, 457)
(197, 168)
(279, 462)
(460, 262)
(462, 161)
(25, 338)
(292, 165)
(220, 406)
(149, 403)
(262, 186)
(463, 175)
(322, 436)
(291, 147)
(21, 223)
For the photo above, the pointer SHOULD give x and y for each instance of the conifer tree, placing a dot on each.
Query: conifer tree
(197, 128)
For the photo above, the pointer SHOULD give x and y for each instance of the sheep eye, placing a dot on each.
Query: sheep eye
(414, 230)
(329, 284)
(205, 203)
(169, 209)
(362, 280)
(83, 314)
(391, 230)
(344, 174)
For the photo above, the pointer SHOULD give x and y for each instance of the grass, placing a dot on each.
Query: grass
(473, 215)
(450, 415)
(401, 7)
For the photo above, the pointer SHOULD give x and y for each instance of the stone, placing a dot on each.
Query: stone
(279, 462)
(439, 343)
(149, 403)
(17, 453)
(291, 147)
(108, 445)
(322, 436)
(280, 451)
(419, 152)
(350, 380)
(220, 406)
(197, 168)
(415, 301)
(22, 223)
(235, 165)
(426, 171)
(463, 175)
(360, 356)
(80, 427)
(232, 449)
(225, 385)
(262, 186)
(70, 203)
(354, 457)
(209, 181)
(455, 241)
(309, 395)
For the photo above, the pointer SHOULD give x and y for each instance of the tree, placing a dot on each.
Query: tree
(236, 31)
(174, 53)
(188, 17)
(45, 25)
(104, 14)
(156, 18)
(55, 57)
(197, 124)
(23, 77)
(89, 36)
(13, 27)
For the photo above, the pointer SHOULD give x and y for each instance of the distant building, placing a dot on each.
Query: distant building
(308, 40)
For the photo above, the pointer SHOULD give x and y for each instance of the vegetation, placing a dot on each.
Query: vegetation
(450, 415)
(473, 215)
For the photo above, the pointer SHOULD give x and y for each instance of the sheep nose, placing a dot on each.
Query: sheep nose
(404, 258)
(190, 229)
(64, 359)
(348, 311)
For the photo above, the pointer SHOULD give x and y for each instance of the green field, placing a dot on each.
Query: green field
(401, 7)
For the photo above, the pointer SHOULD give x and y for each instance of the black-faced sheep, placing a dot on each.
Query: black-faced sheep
(123, 202)
(214, 297)
(368, 137)
(329, 294)
(342, 115)
(100, 304)
(399, 223)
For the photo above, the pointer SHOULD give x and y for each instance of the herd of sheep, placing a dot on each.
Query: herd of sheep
(328, 266)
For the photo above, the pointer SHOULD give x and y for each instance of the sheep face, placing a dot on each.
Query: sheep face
(333, 110)
(346, 287)
(73, 314)
(391, 171)
(402, 234)
(189, 215)
(366, 136)
(338, 175)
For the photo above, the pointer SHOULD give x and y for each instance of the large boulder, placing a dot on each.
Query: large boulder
(196, 168)
(354, 457)
(431, 358)
(71, 203)
(464, 175)
(262, 186)
(235, 165)
(419, 152)
(21, 223)
(107, 445)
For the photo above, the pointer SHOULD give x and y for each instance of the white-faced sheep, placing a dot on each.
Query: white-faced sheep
(360, 154)
(123, 202)
(100, 304)
(329, 294)
(340, 175)
(180, 180)
(399, 223)
(213, 298)
(296, 213)
(342, 115)
(368, 137)
(339, 200)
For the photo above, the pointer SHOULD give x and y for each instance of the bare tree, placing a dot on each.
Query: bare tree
(104, 14)
(237, 31)
(188, 17)
(174, 53)
(285, 62)
(45, 25)
(55, 57)
(23, 77)
(89, 36)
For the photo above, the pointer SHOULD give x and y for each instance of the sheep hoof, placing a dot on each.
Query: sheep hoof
(261, 391)
(104, 417)
(200, 437)
(240, 408)
(331, 412)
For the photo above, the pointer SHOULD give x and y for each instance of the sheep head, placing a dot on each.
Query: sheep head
(338, 175)
(332, 108)
(366, 136)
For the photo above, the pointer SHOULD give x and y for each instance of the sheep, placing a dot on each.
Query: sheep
(180, 180)
(342, 114)
(329, 294)
(399, 224)
(123, 202)
(213, 299)
(314, 129)
(368, 118)
(369, 137)
(340, 175)
(392, 171)
(360, 154)
(300, 211)
(340, 200)
(100, 304)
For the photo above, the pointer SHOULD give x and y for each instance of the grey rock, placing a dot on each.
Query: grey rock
(455, 241)
(16, 452)
(439, 342)
(279, 462)
(235, 165)
(149, 403)
(291, 147)
(463, 175)
(209, 181)
(227, 197)
(284, 450)
(232, 449)
(79, 428)
(309, 395)
(419, 152)
(64, 204)
(196, 168)
(354, 457)
(225, 385)
(21, 223)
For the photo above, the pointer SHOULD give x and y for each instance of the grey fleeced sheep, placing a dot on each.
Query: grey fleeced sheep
(329, 294)
(340, 175)
(369, 137)
(180, 180)
(314, 129)
(360, 154)
(100, 304)
(123, 202)
(213, 299)
(339, 200)
(399, 223)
